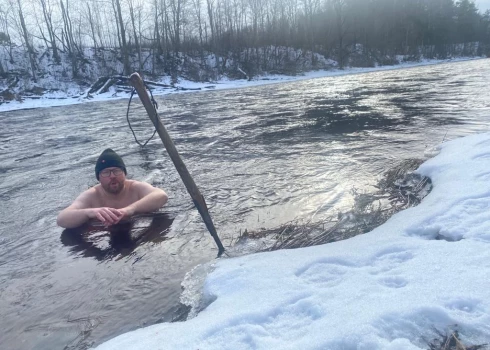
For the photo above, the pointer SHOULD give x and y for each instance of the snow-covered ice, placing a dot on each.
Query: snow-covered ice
(426, 268)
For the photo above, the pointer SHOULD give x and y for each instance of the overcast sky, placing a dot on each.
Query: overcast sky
(483, 5)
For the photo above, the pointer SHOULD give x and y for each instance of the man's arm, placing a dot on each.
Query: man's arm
(150, 199)
(79, 212)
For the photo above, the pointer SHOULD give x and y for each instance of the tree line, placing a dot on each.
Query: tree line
(252, 35)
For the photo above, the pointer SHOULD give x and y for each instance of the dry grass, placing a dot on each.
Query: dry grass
(398, 189)
(450, 341)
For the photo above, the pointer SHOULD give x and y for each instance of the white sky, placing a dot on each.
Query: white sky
(382, 290)
(483, 5)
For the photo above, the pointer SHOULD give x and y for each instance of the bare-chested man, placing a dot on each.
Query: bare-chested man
(115, 198)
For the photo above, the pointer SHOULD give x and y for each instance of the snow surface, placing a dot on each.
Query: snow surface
(69, 95)
(426, 268)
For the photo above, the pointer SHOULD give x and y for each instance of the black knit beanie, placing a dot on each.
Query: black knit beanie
(109, 159)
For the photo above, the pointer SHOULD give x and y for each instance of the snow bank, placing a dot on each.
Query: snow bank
(427, 268)
(73, 95)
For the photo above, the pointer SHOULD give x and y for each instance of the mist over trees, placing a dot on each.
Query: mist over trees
(203, 39)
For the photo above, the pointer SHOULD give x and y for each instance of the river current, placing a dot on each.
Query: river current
(261, 156)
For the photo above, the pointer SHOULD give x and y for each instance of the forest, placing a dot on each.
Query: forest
(203, 40)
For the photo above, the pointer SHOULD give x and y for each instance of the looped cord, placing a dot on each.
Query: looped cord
(155, 105)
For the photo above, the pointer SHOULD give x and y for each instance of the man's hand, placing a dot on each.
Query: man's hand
(126, 212)
(108, 216)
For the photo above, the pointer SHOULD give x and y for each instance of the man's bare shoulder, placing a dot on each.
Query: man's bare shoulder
(86, 199)
(135, 185)
(91, 192)
(142, 188)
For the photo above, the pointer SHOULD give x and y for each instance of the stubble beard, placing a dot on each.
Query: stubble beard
(114, 187)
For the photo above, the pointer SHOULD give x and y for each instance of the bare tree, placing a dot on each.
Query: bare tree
(27, 41)
(5, 39)
(122, 32)
(68, 39)
(48, 20)
(339, 8)
(210, 4)
(310, 9)
(176, 8)
(165, 18)
(197, 11)
(137, 42)
(157, 35)
(91, 21)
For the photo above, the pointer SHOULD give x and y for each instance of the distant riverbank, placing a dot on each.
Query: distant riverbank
(73, 95)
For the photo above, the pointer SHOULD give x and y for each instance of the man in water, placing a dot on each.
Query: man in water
(114, 199)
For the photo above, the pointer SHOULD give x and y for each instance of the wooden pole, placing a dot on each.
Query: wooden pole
(189, 183)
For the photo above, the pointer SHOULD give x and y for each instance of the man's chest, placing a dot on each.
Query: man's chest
(119, 202)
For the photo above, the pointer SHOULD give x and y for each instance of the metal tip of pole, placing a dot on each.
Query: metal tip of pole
(220, 252)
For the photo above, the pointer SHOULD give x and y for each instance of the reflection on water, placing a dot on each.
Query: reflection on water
(348, 114)
(117, 241)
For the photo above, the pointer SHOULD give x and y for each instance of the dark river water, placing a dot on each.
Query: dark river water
(262, 156)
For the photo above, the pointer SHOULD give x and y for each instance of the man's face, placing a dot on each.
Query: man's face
(112, 179)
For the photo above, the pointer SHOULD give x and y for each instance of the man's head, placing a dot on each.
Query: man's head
(110, 170)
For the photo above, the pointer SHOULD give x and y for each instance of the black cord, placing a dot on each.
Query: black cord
(155, 105)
